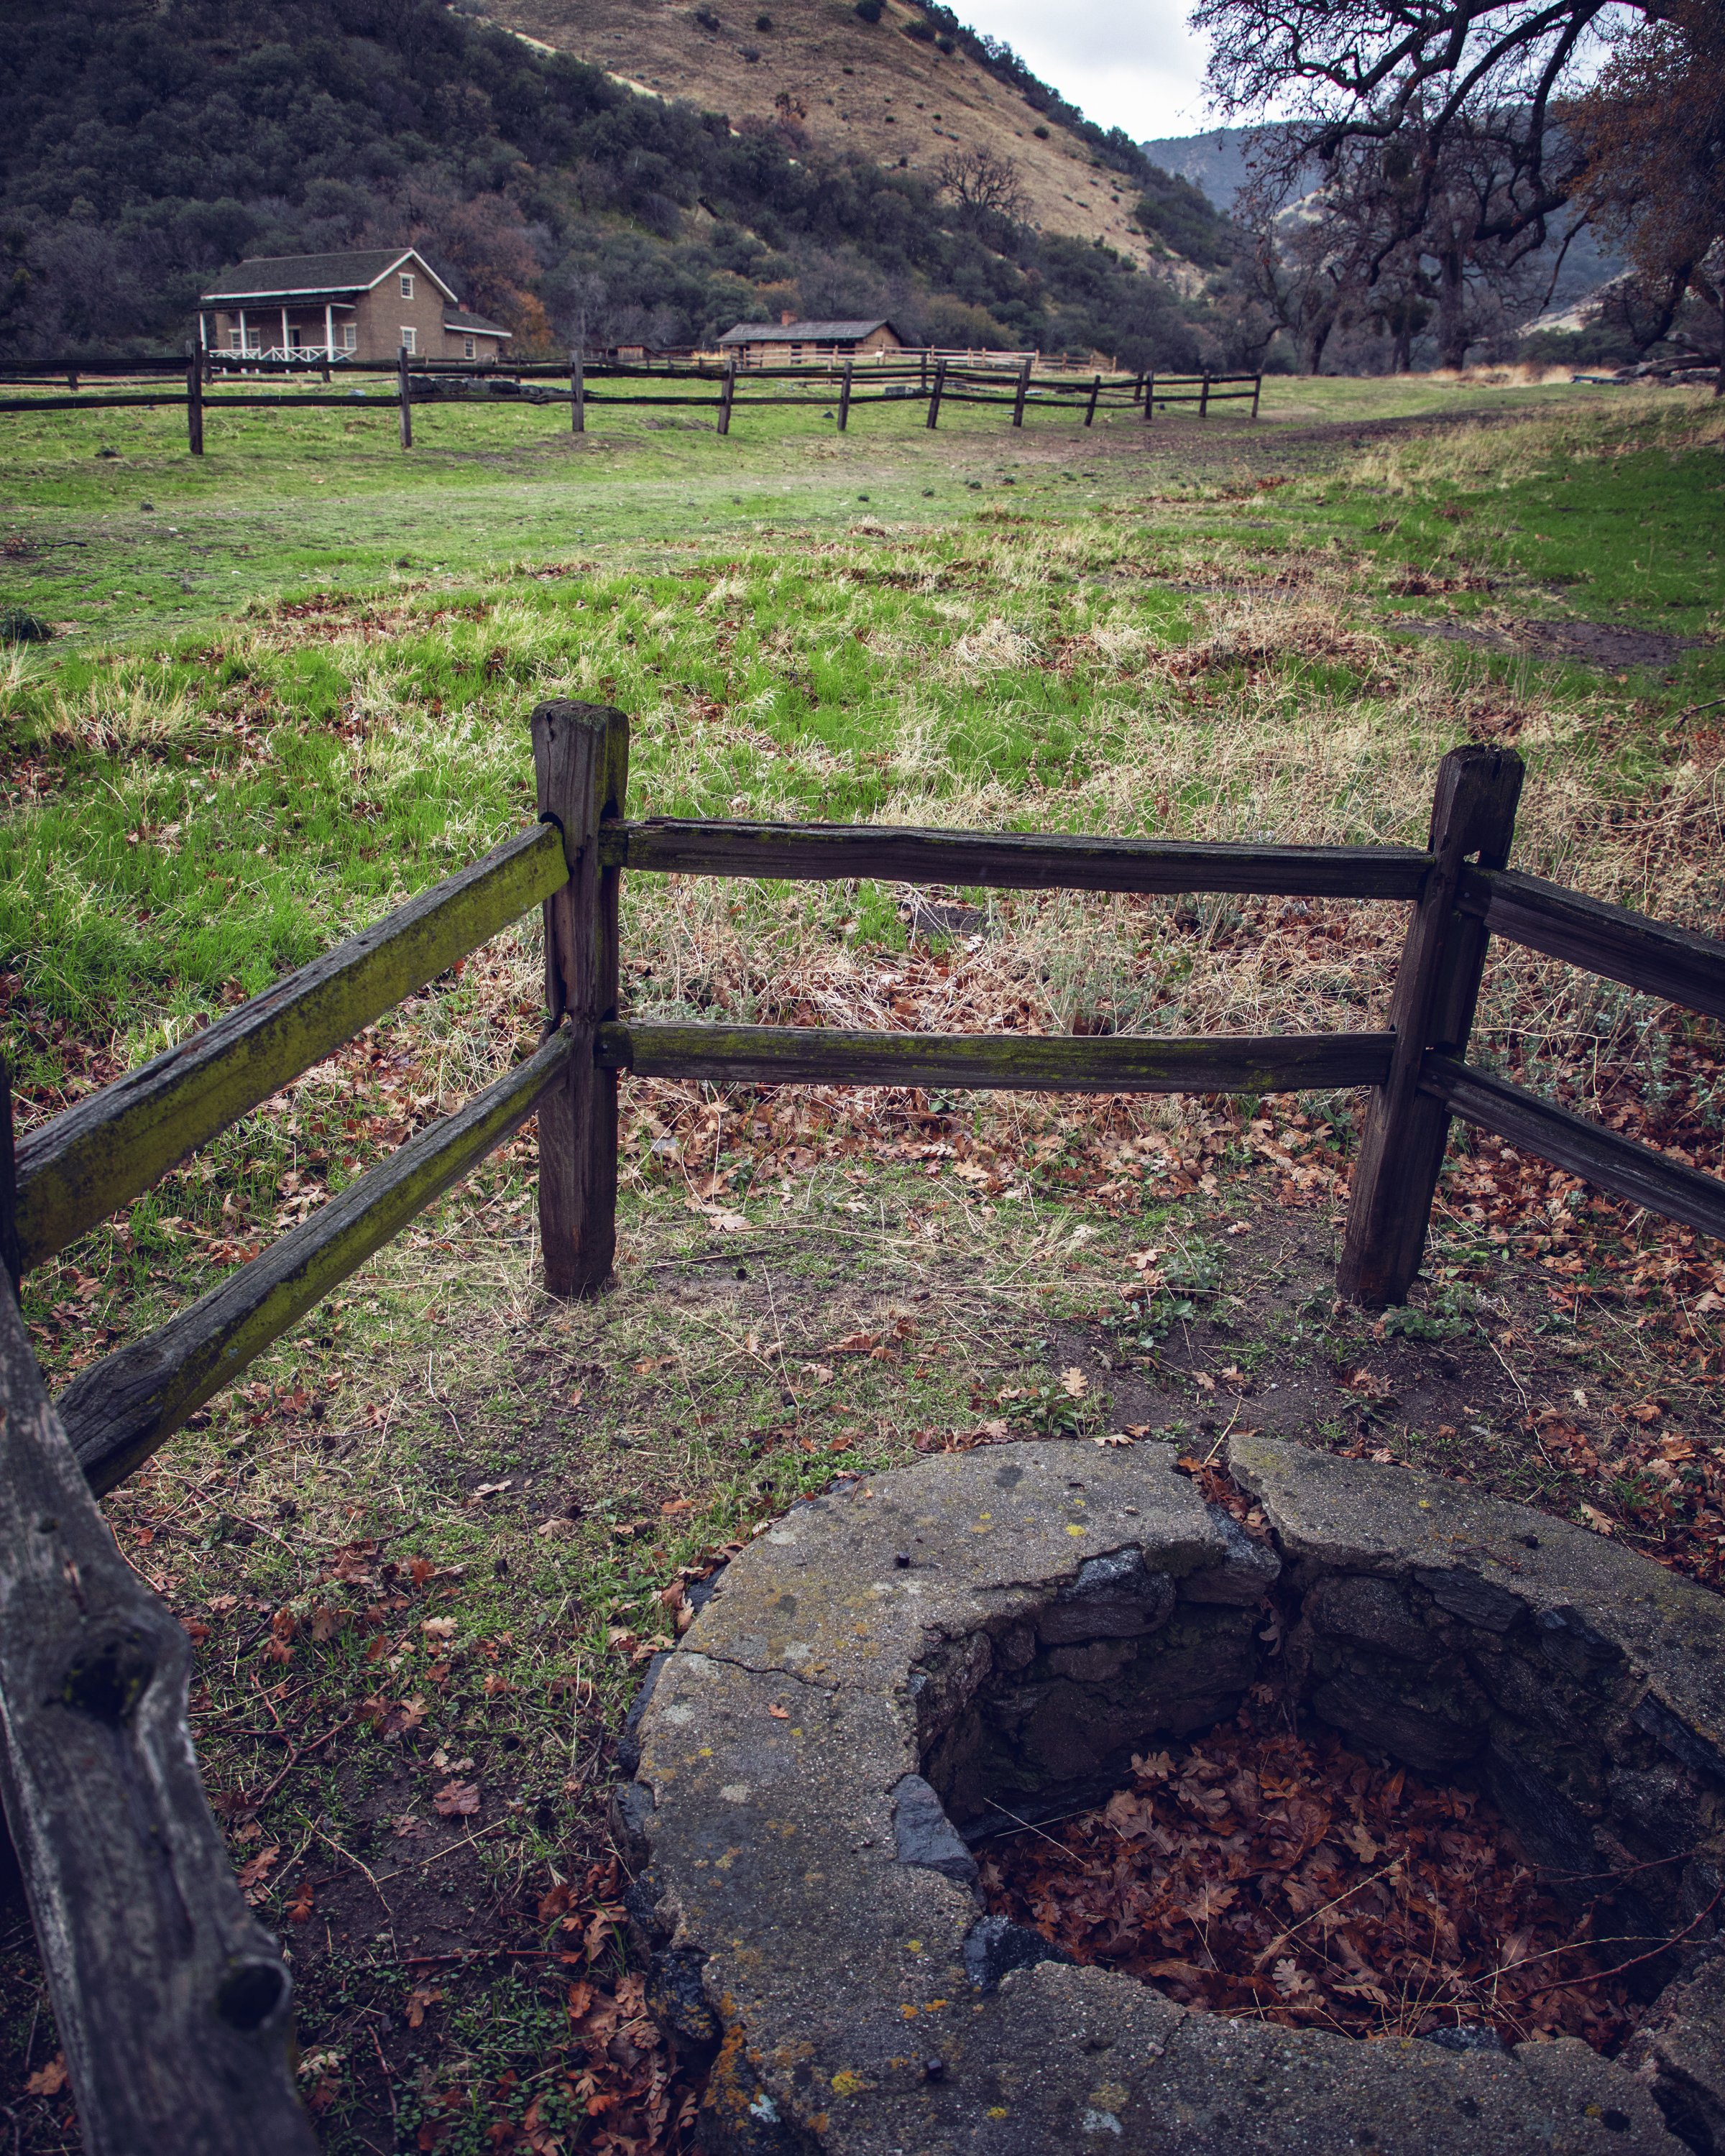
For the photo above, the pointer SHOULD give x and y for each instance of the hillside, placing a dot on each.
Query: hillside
(886, 90)
(146, 144)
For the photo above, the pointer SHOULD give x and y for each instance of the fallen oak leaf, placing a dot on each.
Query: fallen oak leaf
(420, 1999)
(457, 1799)
(779, 1713)
(48, 2079)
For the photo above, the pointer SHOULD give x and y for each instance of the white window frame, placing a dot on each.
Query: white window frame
(407, 284)
(350, 336)
(410, 339)
(236, 341)
(469, 348)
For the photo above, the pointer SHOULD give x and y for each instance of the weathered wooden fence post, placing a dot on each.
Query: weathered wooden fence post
(1017, 402)
(194, 400)
(407, 408)
(1149, 397)
(1257, 392)
(1203, 397)
(934, 397)
(1437, 985)
(581, 767)
(577, 393)
(845, 397)
(1089, 409)
(727, 392)
(10, 1257)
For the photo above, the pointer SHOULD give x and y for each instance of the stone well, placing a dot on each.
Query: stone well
(872, 1677)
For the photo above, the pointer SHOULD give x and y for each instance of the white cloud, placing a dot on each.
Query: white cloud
(1130, 63)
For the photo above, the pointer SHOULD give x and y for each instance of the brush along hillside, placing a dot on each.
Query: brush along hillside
(423, 1546)
(911, 88)
(143, 148)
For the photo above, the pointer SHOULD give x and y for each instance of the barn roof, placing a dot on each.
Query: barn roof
(808, 332)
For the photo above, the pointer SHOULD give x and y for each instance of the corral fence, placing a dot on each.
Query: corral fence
(172, 2003)
(211, 380)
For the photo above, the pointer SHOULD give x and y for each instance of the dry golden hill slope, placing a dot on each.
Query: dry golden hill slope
(849, 85)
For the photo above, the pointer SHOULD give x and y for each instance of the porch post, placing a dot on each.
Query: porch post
(242, 334)
(286, 347)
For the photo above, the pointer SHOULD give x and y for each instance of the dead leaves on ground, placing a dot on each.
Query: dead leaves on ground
(1280, 1878)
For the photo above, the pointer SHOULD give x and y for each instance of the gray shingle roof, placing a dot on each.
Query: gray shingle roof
(314, 276)
(805, 333)
(457, 318)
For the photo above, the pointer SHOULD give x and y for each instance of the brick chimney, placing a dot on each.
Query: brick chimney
(785, 317)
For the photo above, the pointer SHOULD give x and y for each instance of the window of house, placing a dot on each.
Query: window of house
(409, 338)
(407, 286)
(350, 336)
(234, 343)
(467, 348)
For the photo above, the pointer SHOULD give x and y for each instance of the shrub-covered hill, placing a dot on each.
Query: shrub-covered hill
(144, 144)
(903, 83)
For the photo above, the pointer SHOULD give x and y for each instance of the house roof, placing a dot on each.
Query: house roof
(807, 332)
(317, 276)
(457, 318)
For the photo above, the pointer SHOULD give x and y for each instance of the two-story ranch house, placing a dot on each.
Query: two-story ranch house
(367, 304)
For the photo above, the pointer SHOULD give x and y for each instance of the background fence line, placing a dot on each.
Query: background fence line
(925, 376)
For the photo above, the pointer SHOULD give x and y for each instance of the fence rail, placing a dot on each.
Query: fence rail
(175, 2024)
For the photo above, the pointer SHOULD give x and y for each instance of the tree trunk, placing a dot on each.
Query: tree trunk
(1316, 337)
(1453, 339)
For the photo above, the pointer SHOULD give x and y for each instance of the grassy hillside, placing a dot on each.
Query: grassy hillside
(906, 90)
(144, 145)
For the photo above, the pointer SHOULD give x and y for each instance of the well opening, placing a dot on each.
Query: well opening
(1265, 1777)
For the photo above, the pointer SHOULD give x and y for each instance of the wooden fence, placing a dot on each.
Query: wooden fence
(174, 2006)
(926, 377)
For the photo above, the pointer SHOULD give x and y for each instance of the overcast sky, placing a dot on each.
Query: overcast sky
(1130, 63)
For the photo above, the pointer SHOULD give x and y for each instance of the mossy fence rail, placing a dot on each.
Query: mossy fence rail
(172, 2003)
(925, 377)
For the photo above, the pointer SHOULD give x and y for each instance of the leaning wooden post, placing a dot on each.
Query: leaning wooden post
(1257, 391)
(1203, 397)
(1436, 987)
(726, 392)
(1089, 409)
(1017, 402)
(194, 400)
(581, 767)
(407, 408)
(577, 393)
(844, 398)
(934, 397)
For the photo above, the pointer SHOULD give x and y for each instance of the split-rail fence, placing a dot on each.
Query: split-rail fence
(172, 2003)
(226, 381)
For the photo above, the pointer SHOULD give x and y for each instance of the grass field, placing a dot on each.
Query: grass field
(423, 1546)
